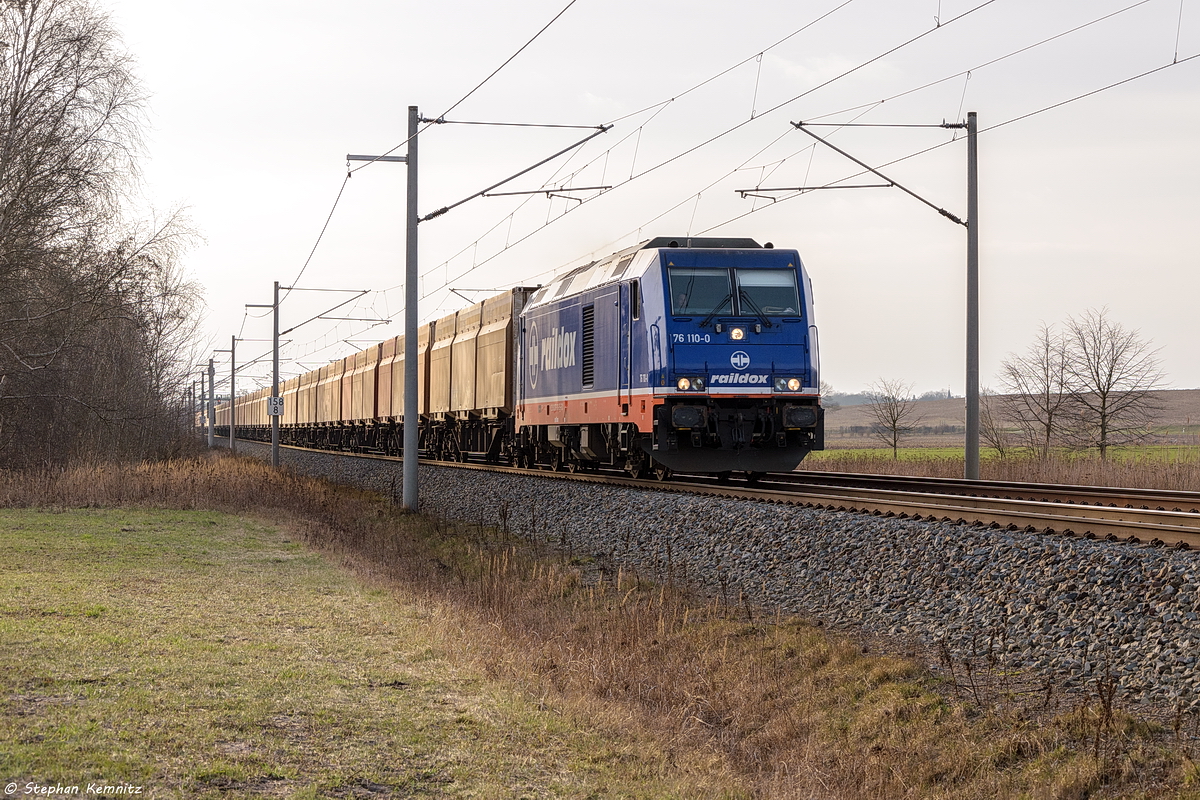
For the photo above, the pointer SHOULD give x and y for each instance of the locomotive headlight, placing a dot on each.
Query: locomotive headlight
(737, 334)
(780, 384)
(699, 384)
(683, 384)
(794, 384)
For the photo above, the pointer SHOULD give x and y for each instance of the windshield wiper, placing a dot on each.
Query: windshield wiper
(719, 308)
(758, 312)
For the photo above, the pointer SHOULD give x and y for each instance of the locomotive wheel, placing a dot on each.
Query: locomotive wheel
(723, 477)
(661, 473)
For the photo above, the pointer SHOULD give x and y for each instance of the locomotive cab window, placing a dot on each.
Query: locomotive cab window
(635, 299)
(700, 291)
(771, 292)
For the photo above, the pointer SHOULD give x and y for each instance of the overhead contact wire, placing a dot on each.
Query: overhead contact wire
(740, 125)
(874, 104)
(661, 106)
(984, 64)
(320, 235)
(1006, 122)
(480, 85)
(726, 71)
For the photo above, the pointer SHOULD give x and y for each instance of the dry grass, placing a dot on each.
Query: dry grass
(739, 705)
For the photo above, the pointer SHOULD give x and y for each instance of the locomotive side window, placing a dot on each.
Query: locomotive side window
(700, 291)
(635, 299)
(771, 290)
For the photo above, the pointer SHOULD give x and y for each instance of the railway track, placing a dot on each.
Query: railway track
(1146, 499)
(1134, 516)
(1090, 512)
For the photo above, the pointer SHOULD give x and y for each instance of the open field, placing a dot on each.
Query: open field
(344, 649)
(1168, 460)
(1147, 467)
(845, 427)
(201, 654)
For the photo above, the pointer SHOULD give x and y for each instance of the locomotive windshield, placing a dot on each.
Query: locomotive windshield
(766, 292)
(700, 291)
(771, 290)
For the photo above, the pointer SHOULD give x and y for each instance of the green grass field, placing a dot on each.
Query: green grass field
(197, 654)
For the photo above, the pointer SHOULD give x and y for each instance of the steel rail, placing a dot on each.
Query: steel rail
(1152, 525)
(1160, 499)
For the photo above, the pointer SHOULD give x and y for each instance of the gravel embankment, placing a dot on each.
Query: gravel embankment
(1071, 610)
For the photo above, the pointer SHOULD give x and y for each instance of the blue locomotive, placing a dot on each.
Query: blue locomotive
(690, 355)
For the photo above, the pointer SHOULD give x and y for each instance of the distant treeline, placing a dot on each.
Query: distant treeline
(921, 430)
(862, 398)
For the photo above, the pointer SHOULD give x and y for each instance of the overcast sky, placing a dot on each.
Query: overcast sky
(255, 104)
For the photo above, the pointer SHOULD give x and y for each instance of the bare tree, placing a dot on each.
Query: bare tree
(1037, 395)
(893, 411)
(1113, 375)
(94, 313)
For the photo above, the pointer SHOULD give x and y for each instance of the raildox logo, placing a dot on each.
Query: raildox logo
(736, 378)
(556, 351)
(740, 359)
